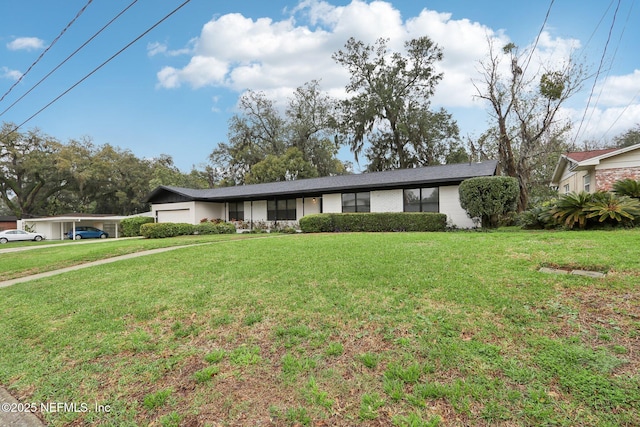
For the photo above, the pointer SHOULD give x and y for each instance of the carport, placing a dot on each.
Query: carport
(55, 227)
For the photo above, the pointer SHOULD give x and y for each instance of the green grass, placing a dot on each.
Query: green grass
(404, 329)
(24, 263)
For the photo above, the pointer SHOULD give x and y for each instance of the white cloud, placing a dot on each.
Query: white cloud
(275, 56)
(157, 48)
(26, 43)
(619, 90)
(10, 74)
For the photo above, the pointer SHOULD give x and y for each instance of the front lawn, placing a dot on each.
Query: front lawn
(38, 260)
(407, 329)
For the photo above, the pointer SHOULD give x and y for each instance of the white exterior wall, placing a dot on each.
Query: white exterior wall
(308, 206)
(209, 211)
(450, 205)
(332, 203)
(387, 201)
(175, 212)
(259, 211)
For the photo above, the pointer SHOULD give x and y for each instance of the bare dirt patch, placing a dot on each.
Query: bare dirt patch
(605, 318)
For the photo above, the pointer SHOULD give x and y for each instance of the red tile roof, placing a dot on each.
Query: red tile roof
(579, 156)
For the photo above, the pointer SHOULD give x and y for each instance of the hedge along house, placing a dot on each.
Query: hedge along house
(595, 170)
(426, 189)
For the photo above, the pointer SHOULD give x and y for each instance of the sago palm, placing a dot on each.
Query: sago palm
(613, 207)
(627, 187)
(569, 209)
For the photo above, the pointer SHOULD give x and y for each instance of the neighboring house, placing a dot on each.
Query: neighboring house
(8, 222)
(427, 189)
(596, 170)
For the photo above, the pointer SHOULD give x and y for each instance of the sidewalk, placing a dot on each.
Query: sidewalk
(11, 416)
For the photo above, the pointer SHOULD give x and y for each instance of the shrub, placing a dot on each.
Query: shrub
(537, 218)
(489, 197)
(373, 222)
(612, 208)
(627, 187)
(165, 229)
(214, 228)
(131, 226)
(570, 209)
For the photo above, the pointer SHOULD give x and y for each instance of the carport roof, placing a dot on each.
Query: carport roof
(401, 178)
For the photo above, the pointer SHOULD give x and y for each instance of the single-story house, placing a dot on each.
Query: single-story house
(426, 189)
(56, 227)
(595, 170)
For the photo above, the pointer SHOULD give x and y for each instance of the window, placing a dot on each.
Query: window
(566, 189)
(281, 210)
(587, 183)
(356, 202)
(421, 200)
(236, 211)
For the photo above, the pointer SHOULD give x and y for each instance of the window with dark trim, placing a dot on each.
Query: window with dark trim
(236, 211)
(421, 200)
(356, 202)
(281, 210)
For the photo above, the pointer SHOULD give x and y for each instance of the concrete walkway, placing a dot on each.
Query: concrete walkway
(12, 413)
(92, 264)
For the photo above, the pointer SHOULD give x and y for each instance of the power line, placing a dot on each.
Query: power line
(595, 80)
(102, 65)
(602, 88)
(535, 44)
(69, 57)
(64, 30)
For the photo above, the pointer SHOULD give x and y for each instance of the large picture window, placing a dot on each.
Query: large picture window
(236, 211)
(281, 210)
(356, 202)
(422, 200)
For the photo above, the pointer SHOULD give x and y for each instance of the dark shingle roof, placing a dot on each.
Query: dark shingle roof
(431, 175)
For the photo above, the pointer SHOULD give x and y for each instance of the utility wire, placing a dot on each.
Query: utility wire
(69, 57)
(602, 88)
(47, 49)
(102, 65)
(535, 44)
(595, 80)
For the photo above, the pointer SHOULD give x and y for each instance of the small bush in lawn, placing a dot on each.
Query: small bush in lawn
(166, 229)
(131, 226)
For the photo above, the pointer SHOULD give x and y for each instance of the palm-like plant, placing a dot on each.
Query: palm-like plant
(569, 209)
(609, 206)
(627, 187)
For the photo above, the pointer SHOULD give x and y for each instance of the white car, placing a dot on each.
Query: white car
(16, 235)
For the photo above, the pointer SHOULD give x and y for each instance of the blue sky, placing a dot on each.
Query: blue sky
(173, 91)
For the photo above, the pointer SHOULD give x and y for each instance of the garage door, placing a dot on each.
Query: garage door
(177, 215)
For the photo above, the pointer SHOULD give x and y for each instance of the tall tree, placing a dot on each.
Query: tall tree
(261, 137)
(628, 138)
(311, 125)
(524, 107)
(29, 173)
(390, 104)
